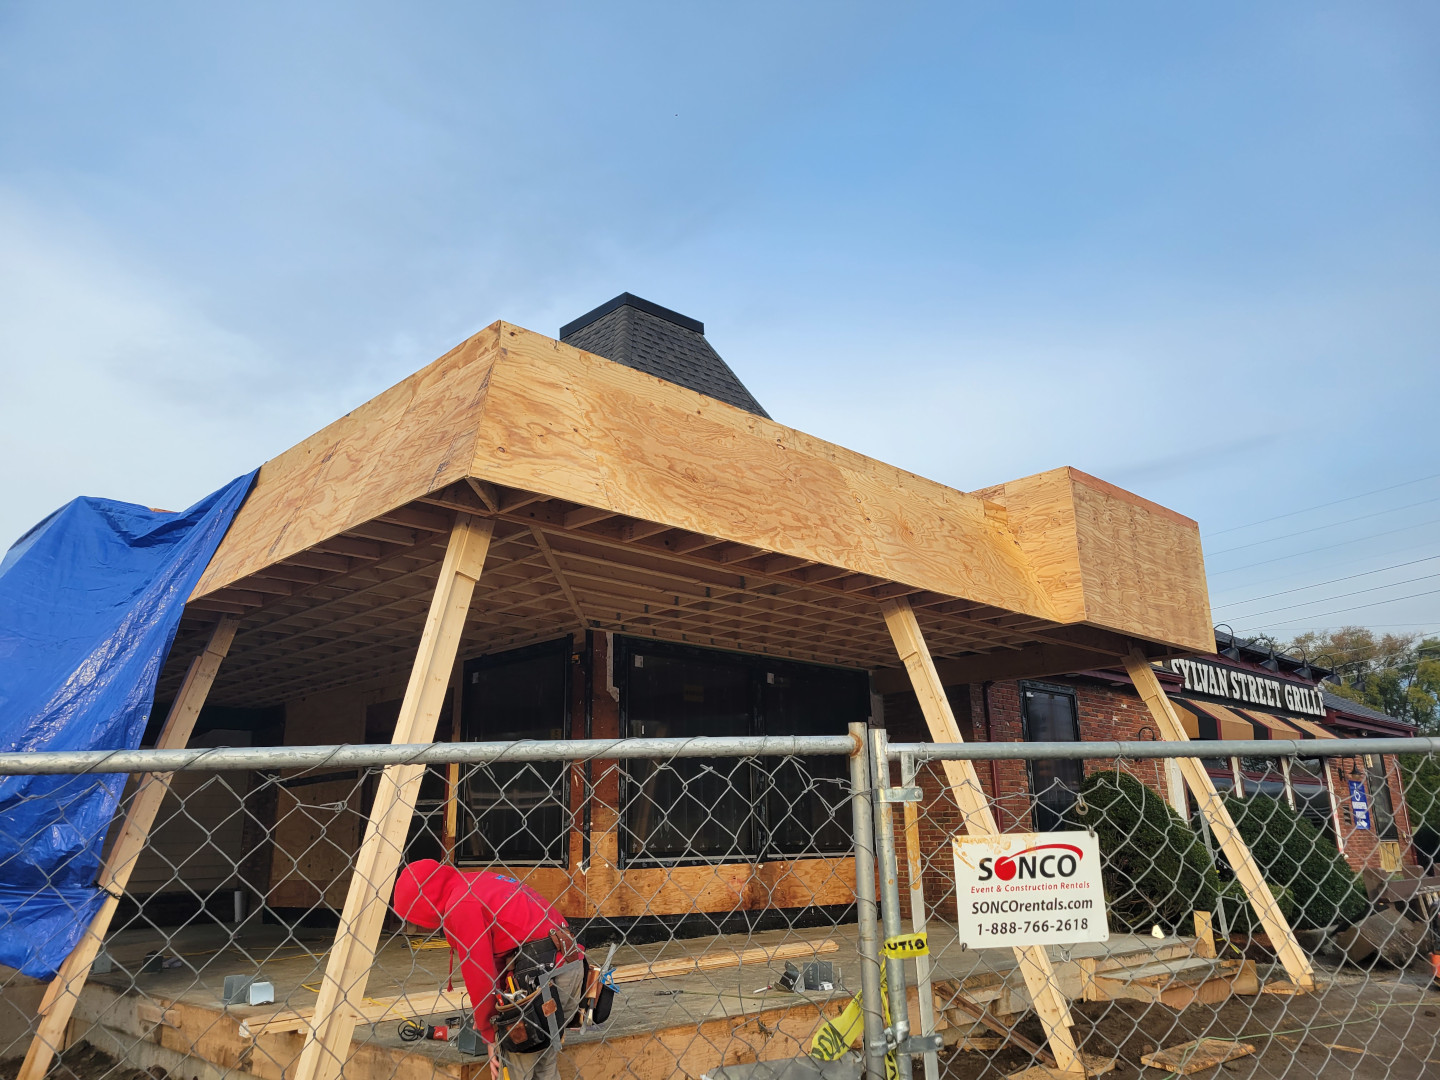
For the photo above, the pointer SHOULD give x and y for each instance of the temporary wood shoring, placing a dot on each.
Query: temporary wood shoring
(348, 969)
(64, 990)
(979, 820)
(1237, 854)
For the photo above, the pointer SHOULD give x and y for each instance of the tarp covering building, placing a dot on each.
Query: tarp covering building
(90, 600)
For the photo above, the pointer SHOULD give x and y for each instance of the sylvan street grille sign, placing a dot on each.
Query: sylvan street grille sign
(1230, 685)
(1029, 889)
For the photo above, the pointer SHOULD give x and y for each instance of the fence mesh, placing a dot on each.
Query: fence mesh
(721, 893)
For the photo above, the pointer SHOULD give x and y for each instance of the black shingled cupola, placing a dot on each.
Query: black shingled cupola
(659, 342)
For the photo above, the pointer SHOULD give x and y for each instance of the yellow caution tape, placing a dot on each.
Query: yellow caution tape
(904, 946)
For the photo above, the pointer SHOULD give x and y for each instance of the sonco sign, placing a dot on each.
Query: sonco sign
(1246, 688)
(1029, 889)
(1010, 867)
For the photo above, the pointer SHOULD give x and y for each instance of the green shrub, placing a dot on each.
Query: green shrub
(1293, 855)
(1155, 868)
(1239, 915)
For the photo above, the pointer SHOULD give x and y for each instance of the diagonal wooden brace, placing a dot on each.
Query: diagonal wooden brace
(64, 990)
(327, 1046)
(1222, 825)
(1033, 961)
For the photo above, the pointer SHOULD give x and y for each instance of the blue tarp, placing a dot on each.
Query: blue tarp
(90, 600)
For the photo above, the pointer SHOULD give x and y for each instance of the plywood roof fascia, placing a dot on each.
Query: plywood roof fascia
(414, 438)
(1110, 558)
(580, 428)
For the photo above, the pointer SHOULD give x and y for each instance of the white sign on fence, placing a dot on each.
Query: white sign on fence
(1029, 889)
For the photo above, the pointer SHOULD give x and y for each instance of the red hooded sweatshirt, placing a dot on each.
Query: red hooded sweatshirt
(484, 915)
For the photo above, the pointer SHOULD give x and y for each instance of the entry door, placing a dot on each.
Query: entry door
(1050, 716)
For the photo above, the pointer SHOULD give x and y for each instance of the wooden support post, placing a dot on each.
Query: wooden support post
(64, 990)
(1033, 961)
(342, 992)
(1222, 825)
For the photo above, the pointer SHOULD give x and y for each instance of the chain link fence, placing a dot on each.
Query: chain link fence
(758, 901)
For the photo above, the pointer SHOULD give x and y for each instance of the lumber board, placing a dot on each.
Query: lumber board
(721, 959)
(1034, 961)
(1197, 1055)
(1297, 966)
(348, 968)
(64, 990)
(370, 1011)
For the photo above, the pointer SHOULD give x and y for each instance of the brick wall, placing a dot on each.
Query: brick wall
(1106, 712)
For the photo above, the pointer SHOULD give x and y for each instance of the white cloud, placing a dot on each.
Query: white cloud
(116, 383)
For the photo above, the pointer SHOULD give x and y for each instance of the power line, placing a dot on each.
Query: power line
(1321, 506)
(1360, 607)
(1327, 547)
(1332, 581)
(1326, 525)
(1338, 596)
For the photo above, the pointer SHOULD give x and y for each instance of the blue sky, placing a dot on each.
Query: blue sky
(1193, 251)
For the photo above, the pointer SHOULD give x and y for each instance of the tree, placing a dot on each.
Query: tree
(1399, 674)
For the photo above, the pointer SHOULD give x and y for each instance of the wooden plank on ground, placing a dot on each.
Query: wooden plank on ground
(1034, 962)
(721, 959)
(64, 989)
(1192, 1057)
(1222, 825)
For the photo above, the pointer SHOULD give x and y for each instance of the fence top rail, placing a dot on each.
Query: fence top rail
(234, 759)
(1208, 748)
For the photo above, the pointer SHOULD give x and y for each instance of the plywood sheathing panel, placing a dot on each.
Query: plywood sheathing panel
(1110, 558)
(416, 437)
(580, 428)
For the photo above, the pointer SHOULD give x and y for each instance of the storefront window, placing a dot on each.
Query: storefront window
(515, 812)
(717, 810)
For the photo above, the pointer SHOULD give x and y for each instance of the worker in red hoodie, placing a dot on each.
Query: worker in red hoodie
(510, 942)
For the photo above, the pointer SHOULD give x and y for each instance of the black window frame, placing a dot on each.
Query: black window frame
(756, 779)
(559, 854)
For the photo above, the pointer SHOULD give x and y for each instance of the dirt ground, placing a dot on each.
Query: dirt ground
(81, 1062)
(1392, 1020)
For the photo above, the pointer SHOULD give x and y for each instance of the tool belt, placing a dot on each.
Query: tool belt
(527, 1017)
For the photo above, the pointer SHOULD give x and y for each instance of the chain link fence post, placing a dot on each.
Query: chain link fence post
(867, 930)
(898, 1037)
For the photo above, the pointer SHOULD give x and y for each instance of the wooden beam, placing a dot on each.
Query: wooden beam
(342, 991)
(64, 990)
(1222, 825)
(1030, 662)
(486, 493)
(554, 565)
(1034, 961)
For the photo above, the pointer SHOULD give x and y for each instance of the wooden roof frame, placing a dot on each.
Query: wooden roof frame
(624, 502)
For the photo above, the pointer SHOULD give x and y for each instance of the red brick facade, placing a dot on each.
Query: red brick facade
(1109, 709)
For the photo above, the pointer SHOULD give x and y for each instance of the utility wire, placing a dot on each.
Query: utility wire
(1338, 596)
(1326, 525)
(1327, 547)
(1321, 506)
(1359, 607)
(1332, 581)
